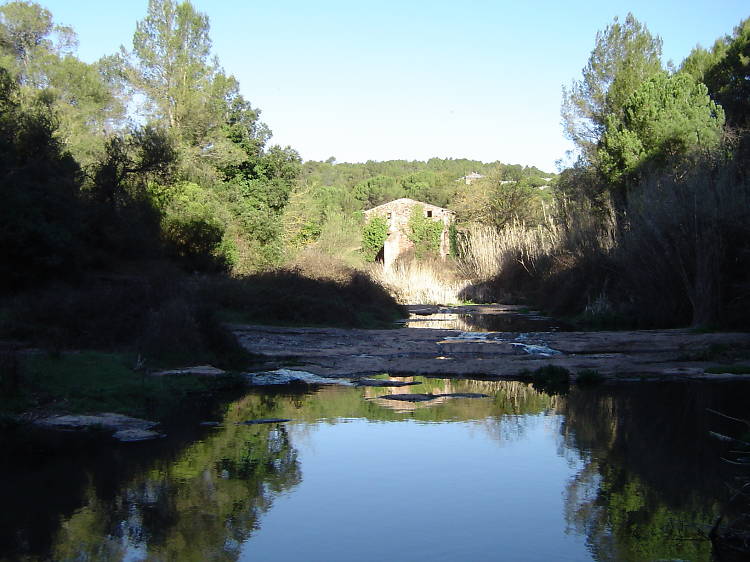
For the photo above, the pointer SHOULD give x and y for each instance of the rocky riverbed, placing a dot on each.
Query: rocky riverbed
(660, 354)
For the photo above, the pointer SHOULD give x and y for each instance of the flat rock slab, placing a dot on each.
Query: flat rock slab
(123, 428)
(384, 383)
(198, 370)
(621, 355)
(263, 420)
(289, 376)
(133, 435)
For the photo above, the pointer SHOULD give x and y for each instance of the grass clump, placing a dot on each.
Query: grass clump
(414, 281)
(589, 377)
(550, 379)
(105, 382)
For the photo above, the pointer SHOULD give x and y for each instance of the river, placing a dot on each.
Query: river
(613, 472)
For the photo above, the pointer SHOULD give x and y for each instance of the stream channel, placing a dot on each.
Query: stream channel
(610, 472)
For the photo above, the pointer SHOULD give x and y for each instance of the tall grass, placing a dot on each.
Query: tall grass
(484, 251)
(412, 281)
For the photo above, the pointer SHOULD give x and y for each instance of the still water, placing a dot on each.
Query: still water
(609, 473)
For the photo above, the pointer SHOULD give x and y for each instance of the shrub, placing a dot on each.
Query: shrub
(374, 235)
(550, 379)
(424, 233)
(589, 377)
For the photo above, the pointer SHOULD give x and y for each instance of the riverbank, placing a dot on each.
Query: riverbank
(92, 346)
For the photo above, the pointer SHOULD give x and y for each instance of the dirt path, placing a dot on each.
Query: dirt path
(334, 352)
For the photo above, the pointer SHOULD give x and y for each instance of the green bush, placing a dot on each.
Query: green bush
(374, 235)
(424, 232)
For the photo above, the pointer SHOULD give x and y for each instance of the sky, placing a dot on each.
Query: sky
(378, 80)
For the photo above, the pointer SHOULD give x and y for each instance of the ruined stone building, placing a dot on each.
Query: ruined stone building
(397, 214)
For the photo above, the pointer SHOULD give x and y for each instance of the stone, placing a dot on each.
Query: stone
(132, 435)
(198, 370)
(123, 428)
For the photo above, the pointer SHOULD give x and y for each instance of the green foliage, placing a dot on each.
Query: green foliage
(374, 235)
(453, 238)
(498, 202)
(625, 54)
(424, 232)
(38, 54)
(377, 190)
(193, 229)
(589, 377)
(728, 79)
(41, 230)
(664, 118)
(724, 69)
(550, 379)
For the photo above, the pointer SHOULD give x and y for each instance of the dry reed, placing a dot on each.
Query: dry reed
(421, 282)
(485, 251)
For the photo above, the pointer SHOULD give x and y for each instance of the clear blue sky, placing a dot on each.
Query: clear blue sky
(386, 79)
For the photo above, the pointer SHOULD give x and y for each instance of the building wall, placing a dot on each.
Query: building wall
(397, 214)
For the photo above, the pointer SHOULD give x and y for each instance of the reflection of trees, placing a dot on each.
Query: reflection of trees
(651, 475)
(501, 415)
(201, 506)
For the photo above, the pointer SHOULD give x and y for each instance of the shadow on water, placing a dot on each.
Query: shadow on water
(648, 480)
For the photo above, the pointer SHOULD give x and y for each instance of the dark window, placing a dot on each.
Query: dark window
(429, 214)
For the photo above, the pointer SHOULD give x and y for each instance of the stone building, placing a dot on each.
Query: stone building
(470, 178)
(397, 214)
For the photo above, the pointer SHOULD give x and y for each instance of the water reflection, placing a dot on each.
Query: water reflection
(652, 482)
(476, 322)
(637, 473)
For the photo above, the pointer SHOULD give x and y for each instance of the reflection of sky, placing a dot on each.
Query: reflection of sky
(416, 491)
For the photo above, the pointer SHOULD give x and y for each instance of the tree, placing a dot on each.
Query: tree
(728, 79)
(172, 48)
(28, 37)
(497, 202)
(41, 217)
(376, 190)
(39, 55)
(664, 118)
(624, 56)
(185, 90)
